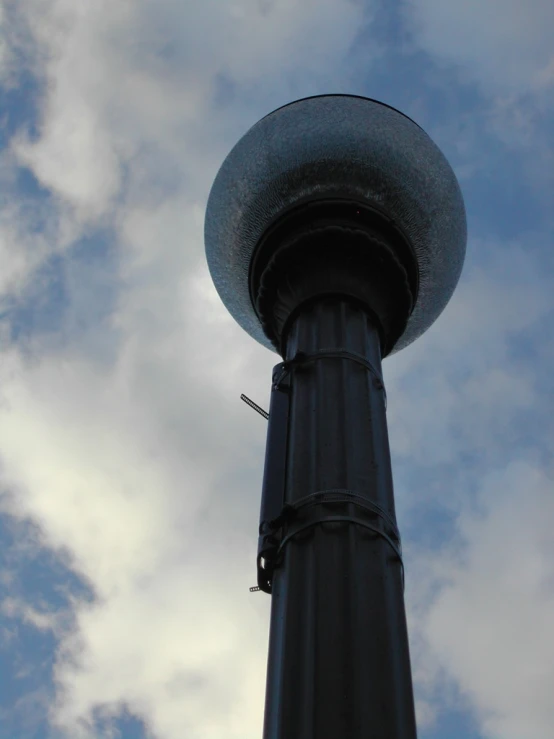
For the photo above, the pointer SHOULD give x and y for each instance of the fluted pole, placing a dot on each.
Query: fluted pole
(339, 665)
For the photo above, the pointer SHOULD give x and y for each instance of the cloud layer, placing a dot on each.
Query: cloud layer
(121, 434)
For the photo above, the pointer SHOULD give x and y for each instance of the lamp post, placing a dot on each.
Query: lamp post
(335, 234)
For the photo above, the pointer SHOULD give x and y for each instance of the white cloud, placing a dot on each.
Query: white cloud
(125, 471)
(15, 608)
(480, 603)
(489, 626)
(505, 45)
(503, 50)
(464, 364)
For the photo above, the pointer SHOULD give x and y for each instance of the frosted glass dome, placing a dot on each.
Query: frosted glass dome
(337, 146)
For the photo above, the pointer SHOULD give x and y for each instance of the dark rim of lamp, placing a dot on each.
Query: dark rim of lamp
(343, 95)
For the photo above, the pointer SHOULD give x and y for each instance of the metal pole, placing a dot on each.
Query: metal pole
(335, 234)
(339, 665)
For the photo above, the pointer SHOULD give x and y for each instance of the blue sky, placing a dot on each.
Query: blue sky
(129, 469)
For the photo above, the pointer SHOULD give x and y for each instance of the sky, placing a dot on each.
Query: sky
(130, 472)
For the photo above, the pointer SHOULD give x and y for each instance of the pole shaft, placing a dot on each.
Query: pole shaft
(339, 665)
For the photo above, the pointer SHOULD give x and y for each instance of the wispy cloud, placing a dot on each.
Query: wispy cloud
(121, 434)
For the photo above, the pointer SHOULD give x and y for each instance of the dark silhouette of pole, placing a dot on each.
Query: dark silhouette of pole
(335, 234)
(339, 662)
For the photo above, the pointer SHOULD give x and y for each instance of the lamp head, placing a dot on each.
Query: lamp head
(331, 178)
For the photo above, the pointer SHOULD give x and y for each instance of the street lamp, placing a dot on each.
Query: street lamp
(335, 234)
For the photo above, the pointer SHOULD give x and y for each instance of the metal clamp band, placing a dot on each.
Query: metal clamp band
(301, 358)
(276, 534)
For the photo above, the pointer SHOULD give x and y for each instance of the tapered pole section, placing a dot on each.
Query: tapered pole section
(339, 665)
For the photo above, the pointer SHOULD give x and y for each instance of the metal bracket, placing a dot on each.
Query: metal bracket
(255, 406)
(273, 488)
